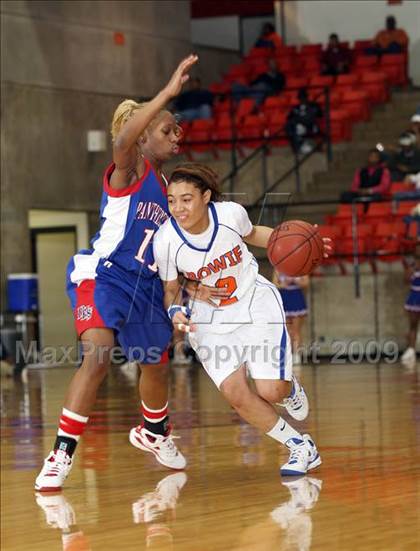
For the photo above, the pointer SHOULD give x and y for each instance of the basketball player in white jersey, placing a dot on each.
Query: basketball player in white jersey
(205, 240)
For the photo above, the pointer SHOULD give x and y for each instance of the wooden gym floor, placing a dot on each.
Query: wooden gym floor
(365, 496)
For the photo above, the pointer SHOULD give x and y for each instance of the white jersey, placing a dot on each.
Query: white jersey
(217, 257)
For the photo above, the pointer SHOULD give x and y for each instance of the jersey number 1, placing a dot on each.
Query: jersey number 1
(142, 249)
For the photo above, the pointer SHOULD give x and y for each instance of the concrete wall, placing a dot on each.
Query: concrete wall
(61, 75)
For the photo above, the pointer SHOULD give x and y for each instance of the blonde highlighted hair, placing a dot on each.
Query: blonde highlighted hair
(123, 112)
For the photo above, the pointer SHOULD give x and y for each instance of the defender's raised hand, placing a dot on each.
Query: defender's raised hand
(180, 76)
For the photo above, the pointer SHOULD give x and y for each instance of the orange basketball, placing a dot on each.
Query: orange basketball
(295, 248)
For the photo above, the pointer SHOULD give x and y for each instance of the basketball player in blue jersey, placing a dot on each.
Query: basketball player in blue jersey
(114, 287)
(245, 334)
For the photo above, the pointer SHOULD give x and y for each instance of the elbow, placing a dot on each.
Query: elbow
(120, 144)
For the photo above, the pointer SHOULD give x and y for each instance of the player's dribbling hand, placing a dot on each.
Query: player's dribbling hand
(328, 249)
(180, 76)
(182, 322)
(205, 293)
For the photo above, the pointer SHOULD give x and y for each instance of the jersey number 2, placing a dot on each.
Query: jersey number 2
(142, 249)
(229, 283)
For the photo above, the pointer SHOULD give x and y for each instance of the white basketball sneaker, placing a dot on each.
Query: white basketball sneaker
(303, 457)
(54, 472)
(151, 505)
(58, 511)
(409, 355)
(296, 404)
(162, 447)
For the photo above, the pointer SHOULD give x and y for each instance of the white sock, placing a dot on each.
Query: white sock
(282, 432)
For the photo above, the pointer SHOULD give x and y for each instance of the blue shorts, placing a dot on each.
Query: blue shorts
(412, 303)
(131, 306)
(294, 303)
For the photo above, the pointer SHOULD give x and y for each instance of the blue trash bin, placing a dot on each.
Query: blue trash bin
(22, 292)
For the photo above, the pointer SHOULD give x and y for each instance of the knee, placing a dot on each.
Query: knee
(276, 392)
(157, 373)
(234, 394)
(96, 369)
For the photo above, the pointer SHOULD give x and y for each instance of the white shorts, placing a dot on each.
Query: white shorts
(262, 344)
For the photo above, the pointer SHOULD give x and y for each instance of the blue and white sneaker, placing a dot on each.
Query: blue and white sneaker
(297, 405)
(303, 457)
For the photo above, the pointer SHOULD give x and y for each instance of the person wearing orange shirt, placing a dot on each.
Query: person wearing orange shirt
(390, 40)
(269, 38)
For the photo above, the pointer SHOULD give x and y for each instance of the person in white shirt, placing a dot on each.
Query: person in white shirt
(243, 333)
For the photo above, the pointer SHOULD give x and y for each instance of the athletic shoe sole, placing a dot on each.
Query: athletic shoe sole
(313, 465)
(134, 440)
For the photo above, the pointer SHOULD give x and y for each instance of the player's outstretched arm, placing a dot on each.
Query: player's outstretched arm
(125, 150)
(259, 236)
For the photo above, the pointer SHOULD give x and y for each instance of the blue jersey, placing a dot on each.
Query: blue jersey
(129, 219)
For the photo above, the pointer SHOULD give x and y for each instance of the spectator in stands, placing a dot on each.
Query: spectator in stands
(407, 160)
(265, 84)
(195, 103)
(390, 40)
(415, 127)
(373, 180)
(268, 37)
(302, 123)
(336, 58)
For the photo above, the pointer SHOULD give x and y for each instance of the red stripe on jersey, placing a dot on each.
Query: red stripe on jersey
(128, 190)
(86, 315)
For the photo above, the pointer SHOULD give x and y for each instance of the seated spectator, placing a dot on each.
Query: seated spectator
(406, 161)
(415, 127)
(302, 123)
(265, 84)
(268, 37)
(335, 60)
(373, 180)
(390, 40)
(195, 103)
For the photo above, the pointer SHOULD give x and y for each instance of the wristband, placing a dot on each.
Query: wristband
(172, 310)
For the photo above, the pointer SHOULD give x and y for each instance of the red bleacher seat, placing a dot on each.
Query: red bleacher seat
(292, 96)
(287, 65)
(356, 103)
(322, 80)
(286, 51)
(311, 49)
(340, 126)
(395, 66)
(297, 82)
(219, 88)
(379, 212)
(344, 214)
(375, 83)
(404, 208)
(276, 104)
(346, 80)
(361, 45)
(200, 130)
(401, 187)
(276, 123)
(244, 108)
(259, 53)
(311, 64)
(239, 71)
(366, 62)
(252, 127)
(387, 240)
(221, 108)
